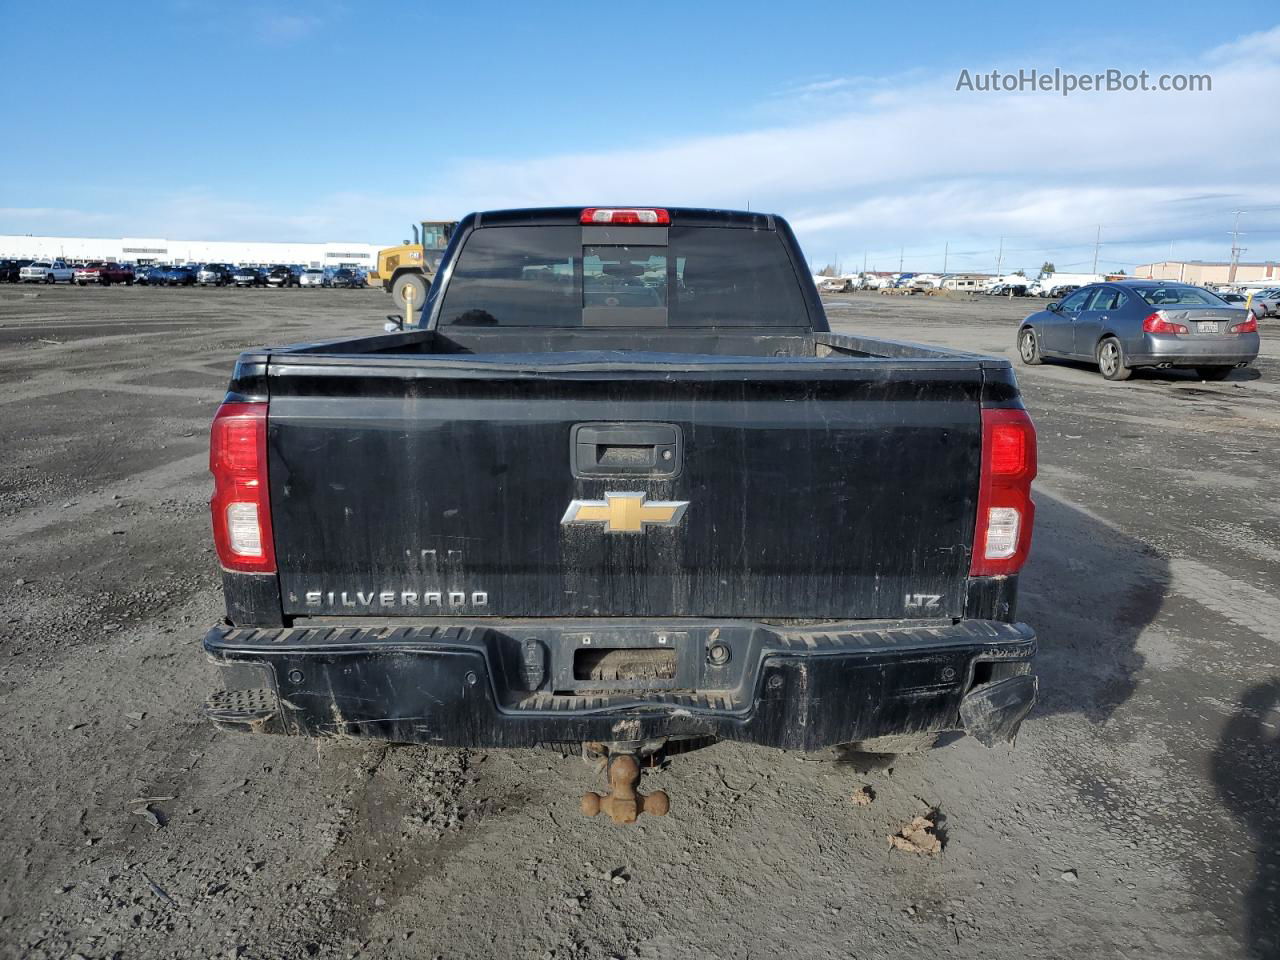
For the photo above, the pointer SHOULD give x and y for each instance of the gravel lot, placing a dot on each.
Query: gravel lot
(1135, 817)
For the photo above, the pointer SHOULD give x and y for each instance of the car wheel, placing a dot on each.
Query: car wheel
(48, 278)
(1111, 360)
(1214, 373)
(1029, 347)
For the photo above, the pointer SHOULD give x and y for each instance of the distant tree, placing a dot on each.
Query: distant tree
(1020, 273)
(1120, 273)
(828, 271)
(1048, 267)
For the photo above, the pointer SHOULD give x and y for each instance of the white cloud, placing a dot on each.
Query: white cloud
(912, 164)
(871, 163)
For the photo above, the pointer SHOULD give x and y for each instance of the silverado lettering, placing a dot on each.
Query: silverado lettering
(391, 598)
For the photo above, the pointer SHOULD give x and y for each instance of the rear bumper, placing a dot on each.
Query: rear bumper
(513, 683)
(1191, 351)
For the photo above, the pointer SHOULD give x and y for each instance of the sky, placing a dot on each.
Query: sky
(331, 121)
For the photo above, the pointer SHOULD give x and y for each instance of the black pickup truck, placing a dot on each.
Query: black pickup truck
(622, 488)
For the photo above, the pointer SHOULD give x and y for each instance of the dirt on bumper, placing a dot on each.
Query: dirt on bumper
(510, 684)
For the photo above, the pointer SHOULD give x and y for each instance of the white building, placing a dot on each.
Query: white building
(159, 250)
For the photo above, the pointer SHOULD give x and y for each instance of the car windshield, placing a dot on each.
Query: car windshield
(555, 276)
(1171, 295)
(315, 273)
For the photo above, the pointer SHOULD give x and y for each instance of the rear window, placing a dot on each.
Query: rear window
(532, 276)
(1171, 295)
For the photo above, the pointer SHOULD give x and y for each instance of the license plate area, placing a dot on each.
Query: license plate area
(639, 661)
(1207, 326)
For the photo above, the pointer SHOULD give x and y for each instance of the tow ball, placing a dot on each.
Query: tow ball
(625, 803)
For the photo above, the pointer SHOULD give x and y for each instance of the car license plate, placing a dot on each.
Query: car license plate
(1207, 326)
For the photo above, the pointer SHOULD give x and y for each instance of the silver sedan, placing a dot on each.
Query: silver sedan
(1142, 323)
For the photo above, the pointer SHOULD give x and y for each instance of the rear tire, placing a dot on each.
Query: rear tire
(1029, 347)
(1214, 373)
(1111, 360)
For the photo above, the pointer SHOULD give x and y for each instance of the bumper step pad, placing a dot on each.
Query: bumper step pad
(250, 710)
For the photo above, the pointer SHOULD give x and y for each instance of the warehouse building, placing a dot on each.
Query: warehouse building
(1203, 272)
(142, 250)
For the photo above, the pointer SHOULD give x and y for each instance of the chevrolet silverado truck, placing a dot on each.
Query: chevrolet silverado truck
(622, 491)
(47, 271)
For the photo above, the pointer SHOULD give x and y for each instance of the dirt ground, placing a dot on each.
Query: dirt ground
(1135, 816)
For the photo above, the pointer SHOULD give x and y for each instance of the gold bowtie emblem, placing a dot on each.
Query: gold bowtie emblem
(626, 512)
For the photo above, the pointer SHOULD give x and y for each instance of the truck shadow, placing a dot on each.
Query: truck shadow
(1089, 590)
(1246, 772)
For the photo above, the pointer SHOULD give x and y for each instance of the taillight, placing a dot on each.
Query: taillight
(633, 215)
(1156, 323)
(1246, 326)
(1005, 510)
(241, 504)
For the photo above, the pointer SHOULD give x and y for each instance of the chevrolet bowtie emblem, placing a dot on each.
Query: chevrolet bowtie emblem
(626, 512)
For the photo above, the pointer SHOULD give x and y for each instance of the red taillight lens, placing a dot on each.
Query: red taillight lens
(241, 504)
(1156, 323)
(643, 217)
(1006, 512)
(1246, 326)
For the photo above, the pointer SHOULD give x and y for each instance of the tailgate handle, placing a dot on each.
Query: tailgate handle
(625, 450)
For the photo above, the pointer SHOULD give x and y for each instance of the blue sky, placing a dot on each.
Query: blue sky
(321, 121)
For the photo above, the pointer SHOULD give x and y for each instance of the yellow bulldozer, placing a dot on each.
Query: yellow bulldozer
(406, 271)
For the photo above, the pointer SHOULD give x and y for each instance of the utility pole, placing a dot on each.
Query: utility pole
(1097, 242)
(946, 249)
(864, 261)
(901, 251)
(1000, 257)
(1236, 249)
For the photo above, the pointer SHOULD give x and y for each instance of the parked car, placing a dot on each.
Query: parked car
(1008, 290)
(142, 275)
(281, 277)
(313, 278)
(11, 270)
(105, 273)
(248, 277)
(1268, 301)
(342, 277)
(1143, 323)
(1061, 290)
(173, 276)
(568, 580)
(213, 275)
(47, 271)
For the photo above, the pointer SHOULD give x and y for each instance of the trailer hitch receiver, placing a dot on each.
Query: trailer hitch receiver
(625, 803)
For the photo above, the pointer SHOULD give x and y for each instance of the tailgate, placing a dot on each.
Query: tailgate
(833, 491)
